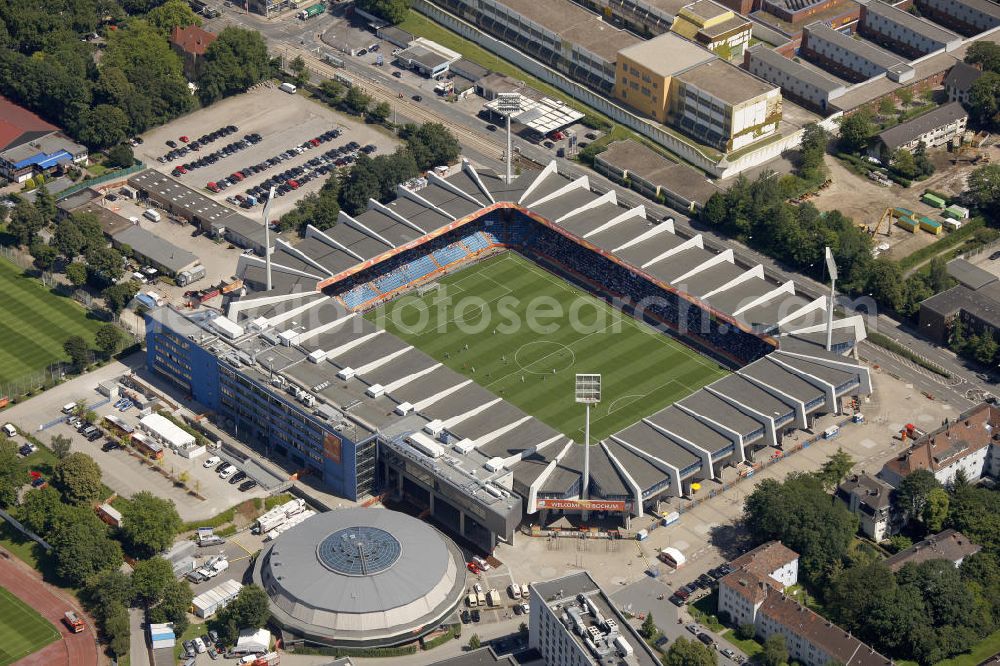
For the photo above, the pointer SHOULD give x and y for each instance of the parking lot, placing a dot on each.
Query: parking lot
(283, 122)
(123, 472)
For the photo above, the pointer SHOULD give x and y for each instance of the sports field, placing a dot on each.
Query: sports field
(34, 324)
(22, 630)
(524, 334)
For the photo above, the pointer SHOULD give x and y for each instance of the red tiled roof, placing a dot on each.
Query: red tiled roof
(749, 585)
(949, 545)
(15, 121)
(192, 39)
(765, 558)
(946, 445)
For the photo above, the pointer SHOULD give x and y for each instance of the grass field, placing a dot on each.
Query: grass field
(524, 333)
(34, 323)
(22, 630)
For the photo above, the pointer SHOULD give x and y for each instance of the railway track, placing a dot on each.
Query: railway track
(402, 106)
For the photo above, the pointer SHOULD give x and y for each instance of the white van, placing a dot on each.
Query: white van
(68, 407)
(152, 215)
(9, 430)
(288, 88)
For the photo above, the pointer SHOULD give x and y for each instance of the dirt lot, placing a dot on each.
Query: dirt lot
(866, 201)
(284, 121)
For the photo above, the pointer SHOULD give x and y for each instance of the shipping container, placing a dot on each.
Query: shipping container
(932, 200)
(930, 226)
(907, 223)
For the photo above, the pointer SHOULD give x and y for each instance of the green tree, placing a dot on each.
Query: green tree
(686, 652)
(812, 151)
(923, 163)
(393, 11)
(25, 222)
(103, 126)
(332, 91)
(356, 101)
(109, 338)
(60, 446)
(986, 349)
(884, 281)
(837, 466)
(746, 632)
(911, 496)
(886, 106)
(474, 642)
(119, 295)
(107, 589)
(983, 188)
(984, 100)
(938, 276)
(380, 112)
(249, 609)
(121, 155)
(149, 580)
(903, 163)
(68, 238)
(150, 524)
(117, 630)
(360, 185)
(45, 204)
(905, 96)
(236, 60)
(856, 131)
(298, 67)
(105, 265)
(800, 514)
(76, 273)
(171, 14)
(432, 144)
(648, 629)
(82, 548)
(12, 475)
(985, 54)
(44, 255)
(775, 651)
(78, 478)
(899, 542)
(935, 510)
(175, 600)
(77, 350)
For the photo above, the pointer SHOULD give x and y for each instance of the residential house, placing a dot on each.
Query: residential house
(191, 43)
(959, 81)
(934, 128)
(30, 145)
(870, 499)
(948, 545)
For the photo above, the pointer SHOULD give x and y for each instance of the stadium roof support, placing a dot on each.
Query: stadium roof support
(639, 212)
(771, 432)
(704, 454)
(672, 471)
(441, 395)
(313, 232)
(726, 256)
(829, 389)
(620, 468)
(694, 241)
(735, 437)
(755, 272)
(532, 503)
(800, 407)
(344, 218)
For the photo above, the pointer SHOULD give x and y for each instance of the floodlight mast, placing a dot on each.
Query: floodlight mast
(267, 235)
(588, 392)
(831, 267)
(508, 104)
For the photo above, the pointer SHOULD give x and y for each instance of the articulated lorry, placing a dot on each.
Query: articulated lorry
(278, 515)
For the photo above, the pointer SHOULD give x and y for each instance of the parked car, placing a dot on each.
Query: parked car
(199, 645)
(249, 484)
(706, 639)
(214, 460)
(227, 472)
(729, 653)
(693, 628)
(476, 616)
(466, 617)
(189, 648)
(236, 478)
(110, 445)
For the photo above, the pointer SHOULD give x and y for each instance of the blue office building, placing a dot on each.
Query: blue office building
(315, 439)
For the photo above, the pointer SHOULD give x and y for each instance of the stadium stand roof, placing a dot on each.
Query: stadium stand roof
(352, 362)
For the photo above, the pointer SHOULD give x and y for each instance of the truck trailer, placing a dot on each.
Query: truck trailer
(312, 10)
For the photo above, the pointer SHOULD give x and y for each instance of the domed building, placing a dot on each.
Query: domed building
(361, 577)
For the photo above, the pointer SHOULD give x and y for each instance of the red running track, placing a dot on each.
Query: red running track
(27, 584)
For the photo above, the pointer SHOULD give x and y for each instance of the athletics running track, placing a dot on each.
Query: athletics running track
(26, 583)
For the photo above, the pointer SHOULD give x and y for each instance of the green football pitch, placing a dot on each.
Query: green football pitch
(34, 324)
(22, 630)
(524, 334)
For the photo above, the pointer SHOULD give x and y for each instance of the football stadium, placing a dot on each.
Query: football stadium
(427, 348)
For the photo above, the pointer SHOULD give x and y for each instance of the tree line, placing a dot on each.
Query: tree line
(925, 612)
(127, 80)
(424, 146)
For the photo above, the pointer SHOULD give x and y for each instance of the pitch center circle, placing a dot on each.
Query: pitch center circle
(541, 357)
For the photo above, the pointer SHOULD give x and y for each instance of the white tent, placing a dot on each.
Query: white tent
(673, 557)
(253, 640)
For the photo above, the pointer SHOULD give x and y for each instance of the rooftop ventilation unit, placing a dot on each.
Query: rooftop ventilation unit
(434, 428)
(403, 408)
(317, 356)
(464, 446)
(494, 464)
(375, 391)
(347, 373)
(286, 337)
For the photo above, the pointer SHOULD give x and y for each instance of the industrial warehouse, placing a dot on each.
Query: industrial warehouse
(295, 370)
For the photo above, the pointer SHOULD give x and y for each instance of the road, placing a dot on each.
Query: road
(289, 37)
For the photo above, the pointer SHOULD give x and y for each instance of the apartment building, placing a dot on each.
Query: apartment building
(680, 84)
(903, 32)
(851, 59)
(754, 593)
(575, 623)
(802, 83)
(559, 33)
(934, 128)
(950, 545)
(967, 17)
(715, 27)
(870, 499)
(965, 443)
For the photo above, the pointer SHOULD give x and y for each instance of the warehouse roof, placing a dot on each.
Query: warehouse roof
(904, 133)
(155, 249)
